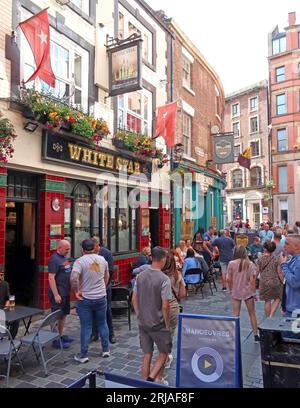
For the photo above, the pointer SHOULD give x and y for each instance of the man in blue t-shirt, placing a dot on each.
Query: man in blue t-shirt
(225, 246)
(59, 290)
(266, 234)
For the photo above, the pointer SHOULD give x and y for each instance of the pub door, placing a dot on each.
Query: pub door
(154, 226)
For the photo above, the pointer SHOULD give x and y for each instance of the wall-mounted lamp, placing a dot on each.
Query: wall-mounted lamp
(209, 163)
(31, 126)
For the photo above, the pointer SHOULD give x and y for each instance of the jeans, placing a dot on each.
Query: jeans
(85, 310)
(108, 315)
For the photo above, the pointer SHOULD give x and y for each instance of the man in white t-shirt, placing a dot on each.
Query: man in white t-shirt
(89, 278)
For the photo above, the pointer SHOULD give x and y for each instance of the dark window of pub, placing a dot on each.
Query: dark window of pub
(82, 216)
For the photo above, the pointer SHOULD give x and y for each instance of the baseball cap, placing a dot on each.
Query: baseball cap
(88, 245)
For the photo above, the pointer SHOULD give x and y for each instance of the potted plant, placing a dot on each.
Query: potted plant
(7, 136)
(119, 139)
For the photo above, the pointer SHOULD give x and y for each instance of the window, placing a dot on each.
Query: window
(282, 140)
(283, 211)
(254, 104)
(254, 124)
(237, 178)
(298, 68)
(135, 112)
(82, 217)
(279, 45)
(82, 4)
(235, 110)
(280, 74)
(187, 133)
(255, 151)
(121, 27)
(237, 209)
(282, 179)
(145, 34)
(186, 73)
(132, 29)
(237, 151)
(236, 129)
(280, 104)
(256, 177)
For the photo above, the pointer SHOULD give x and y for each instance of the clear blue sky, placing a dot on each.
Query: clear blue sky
(231, 34)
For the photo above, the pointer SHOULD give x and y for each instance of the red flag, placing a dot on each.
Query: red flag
(36, 30)
(165, 123)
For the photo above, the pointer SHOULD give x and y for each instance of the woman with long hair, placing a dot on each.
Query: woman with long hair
(241, 280)
(202, 247)
(271, 279)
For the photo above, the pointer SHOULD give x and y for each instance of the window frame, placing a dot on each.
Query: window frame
(259, 181)
(256, 108)
(279, 40)
(259, 147)
(239, 129)
(187, 83)
(188, 151)
(277, 106)
(286, 139)
(240, 150)
(250, 121)
(241, 185)
(238, 110)
(284, 178)
(276, 73)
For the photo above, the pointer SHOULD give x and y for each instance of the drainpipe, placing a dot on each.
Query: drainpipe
(269, 102)
(172, 209)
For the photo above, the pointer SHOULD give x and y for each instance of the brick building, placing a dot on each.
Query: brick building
(246, 114)
(284, 78)
(200, 96)
(46, 192)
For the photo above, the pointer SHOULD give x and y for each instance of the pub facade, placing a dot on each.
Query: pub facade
(59, 185)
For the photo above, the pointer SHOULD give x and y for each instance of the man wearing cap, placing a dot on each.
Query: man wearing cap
(89, 278)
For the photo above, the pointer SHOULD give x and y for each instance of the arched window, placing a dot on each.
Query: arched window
(237, 178)
(256, 177)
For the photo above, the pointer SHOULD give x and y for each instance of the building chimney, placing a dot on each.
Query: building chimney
(292, 19)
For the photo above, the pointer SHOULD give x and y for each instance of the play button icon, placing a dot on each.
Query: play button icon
(207, 364)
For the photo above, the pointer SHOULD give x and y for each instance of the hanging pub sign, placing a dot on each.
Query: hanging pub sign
(125, 68)
(223, 148)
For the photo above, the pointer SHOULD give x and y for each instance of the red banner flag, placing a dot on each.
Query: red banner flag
(165, 123)
(37, 32)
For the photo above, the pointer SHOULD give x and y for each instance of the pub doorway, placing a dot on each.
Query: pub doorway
(20, 238)
(154, 226)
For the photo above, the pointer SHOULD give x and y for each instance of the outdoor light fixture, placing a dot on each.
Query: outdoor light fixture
(63, 2)
(31, 126)
(209, 163)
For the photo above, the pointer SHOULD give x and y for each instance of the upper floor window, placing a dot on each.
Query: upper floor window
(121, 26)
(256, 177)
(237, 151)
(282, 179)
(254, 104)
(280, 104)
(280, 74)
(299, 39)
(70, 64)
(237, 178)
(186, 73)
(299, 68)
(279, 45)
(187, 133)
(135, 112)
(255, 148)
(235, 110)
(254, 124)
(82, 4)
(282, 140)
(236, 129)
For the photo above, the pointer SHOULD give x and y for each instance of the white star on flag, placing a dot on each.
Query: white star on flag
(165, 115)
(43, 37)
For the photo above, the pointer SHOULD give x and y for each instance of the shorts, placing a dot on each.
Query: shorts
(64, 306)
(162, 338)
(224, 267)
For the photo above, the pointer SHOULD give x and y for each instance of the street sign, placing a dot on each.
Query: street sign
(265, 210)
(209, 352)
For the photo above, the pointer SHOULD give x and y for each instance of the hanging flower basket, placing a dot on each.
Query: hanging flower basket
(7, 136)
(119, 143)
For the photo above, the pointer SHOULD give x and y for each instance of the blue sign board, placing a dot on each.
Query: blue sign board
(208, 352)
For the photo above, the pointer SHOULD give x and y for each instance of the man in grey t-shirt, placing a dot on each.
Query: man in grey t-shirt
(150, 300)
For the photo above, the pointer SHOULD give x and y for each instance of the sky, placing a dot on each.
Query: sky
(231, 34)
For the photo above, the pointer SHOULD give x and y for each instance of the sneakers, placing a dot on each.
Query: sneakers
(224, 289)
(169, 361)
(106, 354)
(67, 339)
(256, 338)
(56, 344)
(81, 359)
(162, 381)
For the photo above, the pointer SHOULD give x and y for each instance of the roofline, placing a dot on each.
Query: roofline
(154, 15)
(196, 53)
(242, 91)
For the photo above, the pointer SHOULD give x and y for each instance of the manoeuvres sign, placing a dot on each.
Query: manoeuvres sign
(68, 151)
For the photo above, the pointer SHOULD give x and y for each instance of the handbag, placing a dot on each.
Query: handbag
(178, 301)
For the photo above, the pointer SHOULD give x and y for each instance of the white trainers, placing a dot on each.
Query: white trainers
(162, 381)
(106, 354)
(80, 359)
(169, 361)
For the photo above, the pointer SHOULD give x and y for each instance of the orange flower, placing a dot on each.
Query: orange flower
(52, 114)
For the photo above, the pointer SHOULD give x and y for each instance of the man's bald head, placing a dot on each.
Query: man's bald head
(63, 247)
(292, 244)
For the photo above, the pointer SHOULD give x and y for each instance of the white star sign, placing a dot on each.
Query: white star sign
(165, 115)
(43, 37)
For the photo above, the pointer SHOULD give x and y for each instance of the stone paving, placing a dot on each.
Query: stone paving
(126, 354)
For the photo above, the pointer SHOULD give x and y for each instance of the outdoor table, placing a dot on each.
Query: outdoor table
(22, 313)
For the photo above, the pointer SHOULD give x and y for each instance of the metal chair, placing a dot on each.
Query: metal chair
(121, 299)
(42, 337)
(195, 272)
(9, 349)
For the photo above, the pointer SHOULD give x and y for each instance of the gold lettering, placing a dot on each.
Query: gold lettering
(137, 169)
(87, 156)
(119, 163)
(130, 167)
(74, 151)
(109, 161)
(95, 160)
(125, 164)
(102, 158)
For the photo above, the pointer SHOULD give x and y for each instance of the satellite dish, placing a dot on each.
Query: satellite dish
(215, 129)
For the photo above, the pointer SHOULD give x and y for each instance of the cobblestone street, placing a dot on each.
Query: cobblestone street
(126, 354)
